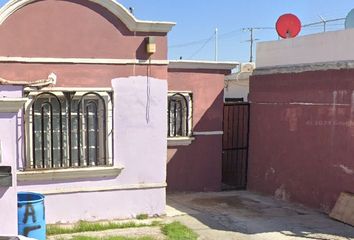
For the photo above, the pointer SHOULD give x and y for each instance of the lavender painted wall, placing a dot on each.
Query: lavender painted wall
(105, 205)
(140, 126)
(140, 145)
(8, 139)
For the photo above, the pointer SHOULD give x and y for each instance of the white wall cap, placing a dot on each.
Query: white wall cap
(11, 105)
(191, 64)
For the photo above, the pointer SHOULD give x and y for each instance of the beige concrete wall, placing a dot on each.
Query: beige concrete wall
(322, 47)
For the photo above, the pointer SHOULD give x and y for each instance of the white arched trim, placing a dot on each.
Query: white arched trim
(117, 9)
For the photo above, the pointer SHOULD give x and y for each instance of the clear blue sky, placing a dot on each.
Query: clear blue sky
(197, 19)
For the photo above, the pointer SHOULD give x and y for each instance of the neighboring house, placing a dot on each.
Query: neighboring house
(237, 84)
(95, 141)
(302, 138)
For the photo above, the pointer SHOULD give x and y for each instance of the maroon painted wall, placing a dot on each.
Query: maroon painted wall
(197, 167)
(302, 136)
(74, 29)
(78, 75)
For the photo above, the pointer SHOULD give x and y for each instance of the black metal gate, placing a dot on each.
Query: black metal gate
(235, 145)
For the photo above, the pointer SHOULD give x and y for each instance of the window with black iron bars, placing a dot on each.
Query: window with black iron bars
(68, 129)
(179, 114)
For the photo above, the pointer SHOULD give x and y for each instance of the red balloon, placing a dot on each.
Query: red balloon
(288, 26)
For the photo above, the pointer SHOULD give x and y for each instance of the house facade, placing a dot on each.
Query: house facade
(94, 140)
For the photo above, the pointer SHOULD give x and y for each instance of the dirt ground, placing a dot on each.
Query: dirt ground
(242, 215)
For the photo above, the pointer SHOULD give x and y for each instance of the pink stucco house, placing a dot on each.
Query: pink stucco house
(118, 122)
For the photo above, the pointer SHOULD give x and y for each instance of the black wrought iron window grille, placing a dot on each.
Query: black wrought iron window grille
(179, 114)
(68, 129)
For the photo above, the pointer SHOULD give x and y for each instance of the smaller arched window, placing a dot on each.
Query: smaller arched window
(179, 114)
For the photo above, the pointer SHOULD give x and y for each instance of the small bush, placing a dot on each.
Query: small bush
(142, 216)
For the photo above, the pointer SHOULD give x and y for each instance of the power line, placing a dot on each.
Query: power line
(216, 44)
(187, 44)
(328, 24)
(323, 21)
(201, 48)
(220, 36)
(197, 42)
(232, 33)
(240, 30)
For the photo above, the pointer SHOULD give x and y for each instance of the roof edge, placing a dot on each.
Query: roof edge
(132, 23)
(191, 64)
(306, 67)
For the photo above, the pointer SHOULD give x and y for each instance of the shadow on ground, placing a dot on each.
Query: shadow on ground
(245, 215)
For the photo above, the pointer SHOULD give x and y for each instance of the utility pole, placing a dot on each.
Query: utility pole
(216, 44)
(251, 45)
(324, 23)
(251, 40)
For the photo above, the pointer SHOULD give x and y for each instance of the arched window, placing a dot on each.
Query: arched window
(179, 115)
(67, 129)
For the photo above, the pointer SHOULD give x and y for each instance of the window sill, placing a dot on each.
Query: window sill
(12, 105)
(179, 141)
(72, 173)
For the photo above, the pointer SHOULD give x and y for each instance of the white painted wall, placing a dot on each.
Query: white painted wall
(315, 48)
(237, 85)
(236, 89)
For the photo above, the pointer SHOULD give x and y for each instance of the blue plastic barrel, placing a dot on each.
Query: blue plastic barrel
(31, 215)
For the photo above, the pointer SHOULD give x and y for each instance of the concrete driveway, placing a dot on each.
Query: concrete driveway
(242, 215)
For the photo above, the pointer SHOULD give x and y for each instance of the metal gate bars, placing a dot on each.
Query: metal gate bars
(235, 145)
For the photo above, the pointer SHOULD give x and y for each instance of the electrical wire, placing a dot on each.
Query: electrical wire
(148, 92)
(187, 44)
(331, 24)
(202, 47)
(225, 35)
(232, 33)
